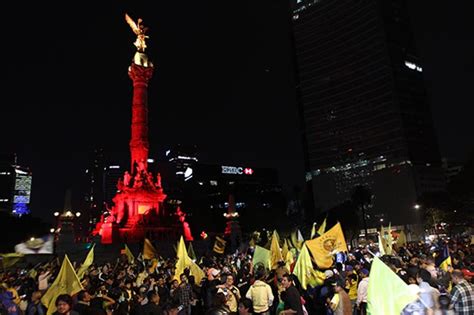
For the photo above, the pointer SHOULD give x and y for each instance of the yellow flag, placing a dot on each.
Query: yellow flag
(149, 252)
(219, 245)
(33, 273)
(86, 264)
(402, 239)
(154, 264)
(129, 255)
(66, 282)
(184, 262)
(196, 271)
(289, 259)
(313, 231)
(285, 249)
(389, 239)
(10, 259)
(324, 247)
(275, 252)
(296, 239)
(381, 244)
(322, 228)
(305, 272)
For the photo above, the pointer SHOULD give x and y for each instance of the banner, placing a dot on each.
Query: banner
(149, 252)
(261, 256)
(327, 245)
(66, 282)
(10, 259)
(41, 245)
(387, 293)
(219, 245)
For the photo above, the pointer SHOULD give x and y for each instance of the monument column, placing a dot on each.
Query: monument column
(140, 75)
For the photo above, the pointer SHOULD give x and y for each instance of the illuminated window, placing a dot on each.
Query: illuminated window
(142, 209)
(413, 66)
(213, 182)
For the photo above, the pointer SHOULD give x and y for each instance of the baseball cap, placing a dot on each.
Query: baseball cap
(365, 272)
(467, 273)
(329, 273)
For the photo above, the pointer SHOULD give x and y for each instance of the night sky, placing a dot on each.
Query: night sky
(223, 81)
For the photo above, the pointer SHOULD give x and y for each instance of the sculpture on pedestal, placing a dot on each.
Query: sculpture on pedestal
(139, 200)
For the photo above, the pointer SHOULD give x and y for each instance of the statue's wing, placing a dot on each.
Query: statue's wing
(132, 24)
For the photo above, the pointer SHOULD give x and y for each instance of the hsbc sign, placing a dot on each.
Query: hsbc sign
(236, 170)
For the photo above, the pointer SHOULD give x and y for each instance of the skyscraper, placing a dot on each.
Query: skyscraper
(15, 186)
(365, 116)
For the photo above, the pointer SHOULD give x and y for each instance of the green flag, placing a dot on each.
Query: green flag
(261, 255)
(387, 294)
(191, 252)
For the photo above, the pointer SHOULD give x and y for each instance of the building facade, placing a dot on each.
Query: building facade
(15, 186)
(259, 200)
(365, 115)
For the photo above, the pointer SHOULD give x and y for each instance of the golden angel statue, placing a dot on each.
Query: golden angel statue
(140, 30)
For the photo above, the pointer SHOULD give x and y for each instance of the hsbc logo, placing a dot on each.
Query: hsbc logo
(236, 170)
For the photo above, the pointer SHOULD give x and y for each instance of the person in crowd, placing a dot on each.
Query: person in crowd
(340, 304)
(43, 279)
(462, 295)
(152, 307)
(83, 305)
(245, 306)
(163, 290)
(260, 293)
(123, 287)
(34, 305)
(185, 294)
(362, 292)
(219, 306)
(292, 298)
(64, 305)
(427, 293)
(231, 292)
(7, 303)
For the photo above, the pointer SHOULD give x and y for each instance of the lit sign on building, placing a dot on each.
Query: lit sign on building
(236, 170)
(188, 174)
(413, 66)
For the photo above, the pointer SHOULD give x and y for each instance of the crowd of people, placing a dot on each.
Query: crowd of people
(234, 285)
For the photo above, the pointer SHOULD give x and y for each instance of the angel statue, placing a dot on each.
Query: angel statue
(140, 30)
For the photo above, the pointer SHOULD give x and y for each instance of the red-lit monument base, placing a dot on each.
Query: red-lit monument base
(137, 210)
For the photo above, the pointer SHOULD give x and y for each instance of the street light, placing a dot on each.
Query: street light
(417, 206)
(52, 230)
(56, 214)
(78, 214)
